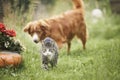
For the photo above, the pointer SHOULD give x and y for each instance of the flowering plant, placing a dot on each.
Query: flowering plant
(7, 42)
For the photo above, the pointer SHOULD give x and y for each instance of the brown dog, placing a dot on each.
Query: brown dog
(61, 28)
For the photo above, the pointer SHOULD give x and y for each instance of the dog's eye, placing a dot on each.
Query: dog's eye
(31, 33)
(38, 31)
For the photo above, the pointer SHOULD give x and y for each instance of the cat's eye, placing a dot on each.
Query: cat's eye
(51, 50)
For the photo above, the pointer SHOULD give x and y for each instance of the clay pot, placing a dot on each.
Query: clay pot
(10, 59)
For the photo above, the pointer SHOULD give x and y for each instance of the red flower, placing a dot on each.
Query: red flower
(11, 33)
(2, 27)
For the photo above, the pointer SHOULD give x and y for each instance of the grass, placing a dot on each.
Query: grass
(100, 61)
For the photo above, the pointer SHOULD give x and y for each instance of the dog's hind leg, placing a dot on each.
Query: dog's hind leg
(83, 37)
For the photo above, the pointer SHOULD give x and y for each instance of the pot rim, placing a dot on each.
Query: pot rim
(8, 52)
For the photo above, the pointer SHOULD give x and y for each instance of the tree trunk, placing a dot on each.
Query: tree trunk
(115, 6)
(1, 11)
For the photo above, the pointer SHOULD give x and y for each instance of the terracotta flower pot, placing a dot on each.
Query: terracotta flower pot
(10, 59)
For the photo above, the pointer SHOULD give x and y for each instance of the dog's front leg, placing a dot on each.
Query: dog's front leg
(69, 46)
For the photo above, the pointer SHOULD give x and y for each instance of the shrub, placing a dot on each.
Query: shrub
(7, 42)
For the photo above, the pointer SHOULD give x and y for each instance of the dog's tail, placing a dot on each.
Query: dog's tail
(78, 4)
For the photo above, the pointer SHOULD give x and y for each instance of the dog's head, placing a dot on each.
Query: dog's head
(38, 30)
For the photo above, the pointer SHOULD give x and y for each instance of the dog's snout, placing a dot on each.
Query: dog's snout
(36, 41)
(35, 38)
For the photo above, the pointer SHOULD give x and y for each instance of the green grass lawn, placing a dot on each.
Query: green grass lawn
(100, 61)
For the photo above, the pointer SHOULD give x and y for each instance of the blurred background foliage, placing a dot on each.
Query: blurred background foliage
(33, 7)
(20, 12)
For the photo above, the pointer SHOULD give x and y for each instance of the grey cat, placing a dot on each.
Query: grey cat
(49, 53)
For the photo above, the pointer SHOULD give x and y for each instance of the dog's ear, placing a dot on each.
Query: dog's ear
(44, 25)
(27, 27)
